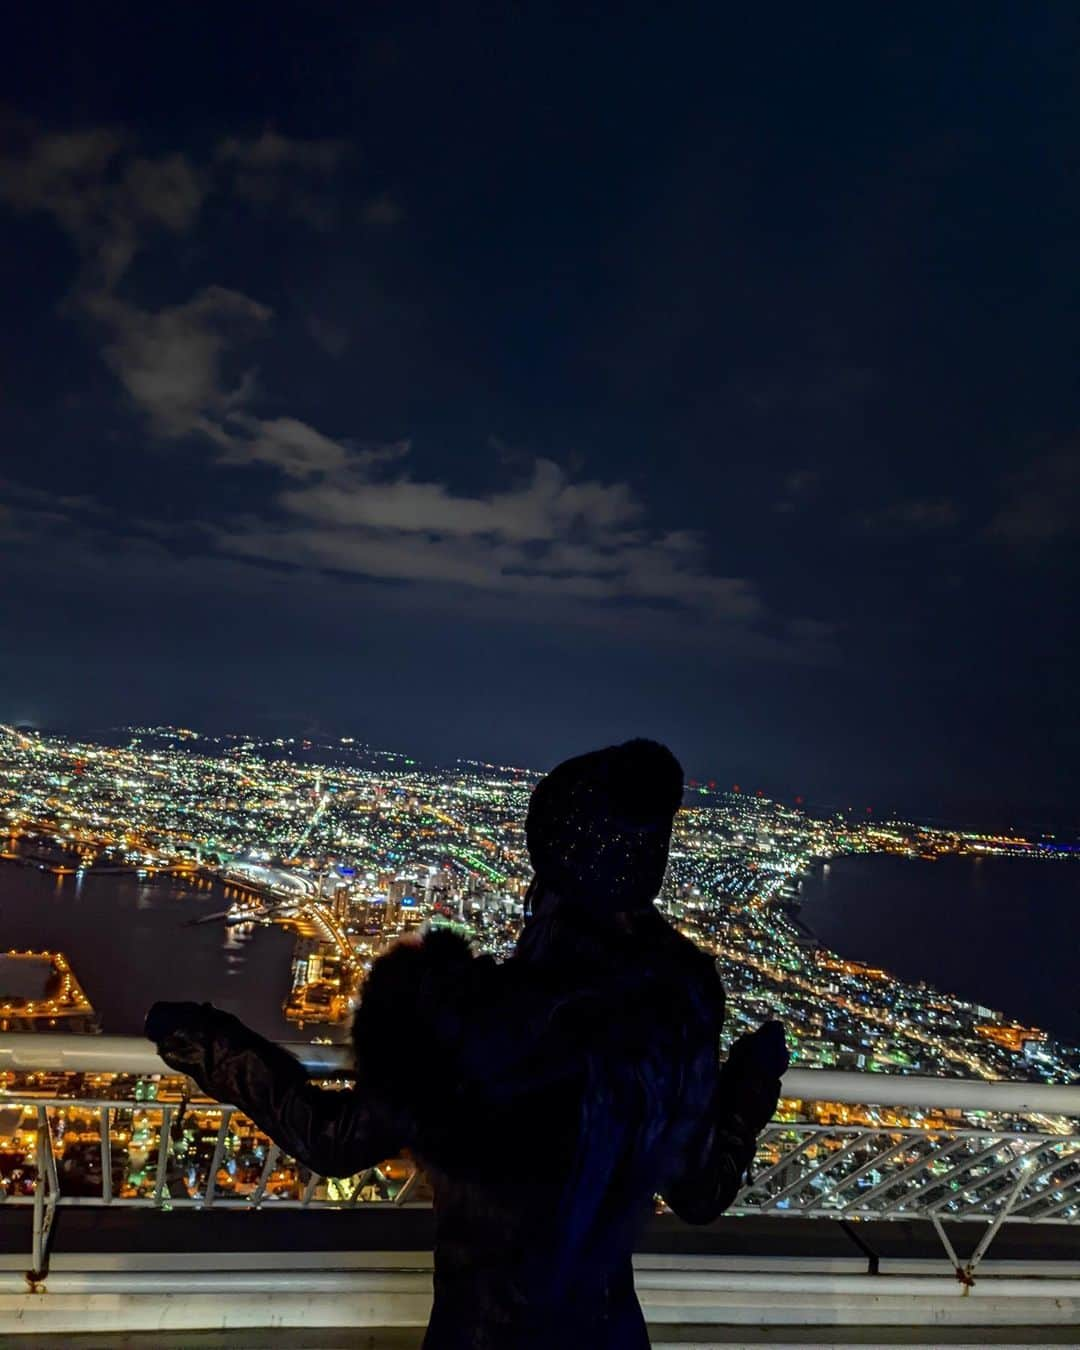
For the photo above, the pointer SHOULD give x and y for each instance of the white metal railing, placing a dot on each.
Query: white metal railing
(28, 1052)
(976, 1152)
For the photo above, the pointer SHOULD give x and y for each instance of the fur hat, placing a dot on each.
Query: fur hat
(599, 825)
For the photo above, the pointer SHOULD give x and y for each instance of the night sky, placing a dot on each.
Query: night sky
(508, 382)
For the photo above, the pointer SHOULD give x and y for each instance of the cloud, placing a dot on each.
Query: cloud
(292, 446)
(168, 190)
(62, 174)
(106, 197)
(27, 497)
(170, 361)
(1044, 504)
(382, 211)
(556, 541)
(550, 536)
(284, 173)
(332, 337)
(58, 554)
(549, 506)
(271, 153)
(101, 196)
(799, 487)
(917, 515)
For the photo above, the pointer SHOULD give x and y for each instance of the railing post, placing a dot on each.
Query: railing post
(966, 1273)
(215, 1161)
(106, 1157)
(410, 1184)
(164, 1149)
(1026, 1169)
(36, 1244)
(46, 1193)
(270, 1162)
(950, 1252)
(990, 1175)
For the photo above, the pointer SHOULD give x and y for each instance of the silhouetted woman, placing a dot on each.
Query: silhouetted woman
(549, 1098)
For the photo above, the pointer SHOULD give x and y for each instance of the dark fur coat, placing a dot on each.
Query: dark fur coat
(548, 1098)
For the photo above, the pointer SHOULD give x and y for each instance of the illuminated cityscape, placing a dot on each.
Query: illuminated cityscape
(40, 990)
(401, 402)
(349, 847)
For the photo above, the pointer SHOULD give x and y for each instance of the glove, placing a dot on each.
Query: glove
(164, 1019)
(763, 1051)
(750, 1078)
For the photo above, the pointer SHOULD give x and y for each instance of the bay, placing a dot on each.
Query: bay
(1002, 932)
(129, 942)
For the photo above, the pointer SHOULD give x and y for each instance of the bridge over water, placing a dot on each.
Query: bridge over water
(286, 894)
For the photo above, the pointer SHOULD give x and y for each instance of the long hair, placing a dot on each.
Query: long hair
(650, 1008)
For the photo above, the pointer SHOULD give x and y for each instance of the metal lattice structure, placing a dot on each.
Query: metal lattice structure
(988, 1153)
(824, 1171)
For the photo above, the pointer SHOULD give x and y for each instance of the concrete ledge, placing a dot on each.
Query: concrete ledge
(722, 1338)
(179, 1300)
(271, 1278)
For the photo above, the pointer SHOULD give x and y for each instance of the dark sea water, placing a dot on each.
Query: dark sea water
(129, 944)
(1002, 932)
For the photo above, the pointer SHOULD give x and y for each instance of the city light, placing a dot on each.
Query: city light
(350, 847)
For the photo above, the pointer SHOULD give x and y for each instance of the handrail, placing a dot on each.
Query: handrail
(29, 1052)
